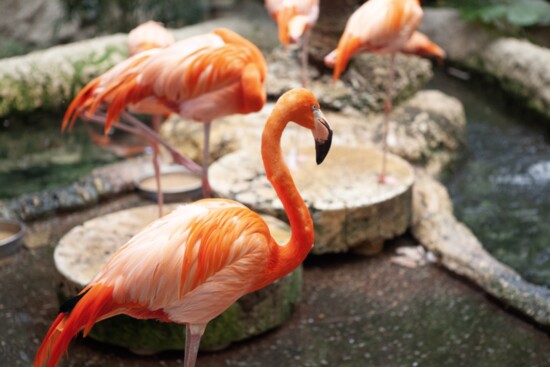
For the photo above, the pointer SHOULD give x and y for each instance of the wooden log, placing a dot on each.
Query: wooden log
(83, 251)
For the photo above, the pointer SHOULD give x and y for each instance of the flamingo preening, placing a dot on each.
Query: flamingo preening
(200, 78)
(192, 264)
(295, 18)
(382, 27)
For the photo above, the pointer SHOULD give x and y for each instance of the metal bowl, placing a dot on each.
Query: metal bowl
(177, 184)
(11, 236)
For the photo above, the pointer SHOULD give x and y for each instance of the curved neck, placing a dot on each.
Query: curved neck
(287, 257)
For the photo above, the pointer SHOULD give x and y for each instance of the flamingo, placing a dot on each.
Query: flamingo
(295, 18)
(382, 27)
(192, 264)
(200, 78)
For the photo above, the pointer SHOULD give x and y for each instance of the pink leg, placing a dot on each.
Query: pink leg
(177, 156)
(206, 190)
(387, 111)
(156, 151)
(193, 334)
(305, 44)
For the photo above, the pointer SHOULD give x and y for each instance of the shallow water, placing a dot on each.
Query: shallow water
(501, 189)
(36, 156)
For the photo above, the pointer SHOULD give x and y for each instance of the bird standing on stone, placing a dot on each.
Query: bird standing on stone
(382, 27)
(199, 78)
(192, 264)
(295, 18)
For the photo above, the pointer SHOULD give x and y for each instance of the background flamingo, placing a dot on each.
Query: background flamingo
(192, 264)
(200, 78)
(295, 18)
(382, 27)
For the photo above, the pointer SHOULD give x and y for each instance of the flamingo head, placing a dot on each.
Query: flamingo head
(303, 109)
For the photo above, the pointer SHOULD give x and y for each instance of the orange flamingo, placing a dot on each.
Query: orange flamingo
(192, 264)
(382, 27)
(295, 18)
(200, 78)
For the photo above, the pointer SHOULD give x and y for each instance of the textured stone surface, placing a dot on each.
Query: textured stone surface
(435, 226)
(348, 206)
(81, 253)
(518, 66)
(362, 86)
(428, 130)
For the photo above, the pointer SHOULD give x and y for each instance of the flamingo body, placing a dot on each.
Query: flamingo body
(192, 264)
(379, 26)
(202, 78)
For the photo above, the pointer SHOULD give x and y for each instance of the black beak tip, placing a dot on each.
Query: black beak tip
(322, 148)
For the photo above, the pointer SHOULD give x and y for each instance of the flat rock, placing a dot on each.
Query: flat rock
(349, 207)
(85, 249)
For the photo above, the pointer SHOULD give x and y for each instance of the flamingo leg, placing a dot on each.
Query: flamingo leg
(387, 111)
(193, 334)
(206, 190)
(304, 58)
(156, 152)
(176, 156)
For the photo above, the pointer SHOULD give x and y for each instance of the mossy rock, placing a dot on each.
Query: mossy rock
(79, 255)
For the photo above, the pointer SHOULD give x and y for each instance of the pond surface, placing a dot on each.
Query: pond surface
(501, 189)
(36, 156)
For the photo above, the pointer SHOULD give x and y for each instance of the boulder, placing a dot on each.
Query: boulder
(83, 250)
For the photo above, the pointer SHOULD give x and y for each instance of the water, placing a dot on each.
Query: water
(501, 189)
(36, 156)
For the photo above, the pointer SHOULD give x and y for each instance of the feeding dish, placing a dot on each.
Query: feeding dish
(11, 236)
(177, 183)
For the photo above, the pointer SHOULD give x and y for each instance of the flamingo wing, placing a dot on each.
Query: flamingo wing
(149, 35)
(192, 263)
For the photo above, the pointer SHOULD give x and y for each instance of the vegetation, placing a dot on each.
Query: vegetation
(503, 13)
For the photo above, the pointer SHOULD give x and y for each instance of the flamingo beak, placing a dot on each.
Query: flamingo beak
(322, 133)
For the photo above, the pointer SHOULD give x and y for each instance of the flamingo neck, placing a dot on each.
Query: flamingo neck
(286, 257)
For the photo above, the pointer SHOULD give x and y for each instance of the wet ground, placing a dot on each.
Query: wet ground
(355, 311)
(501, 190)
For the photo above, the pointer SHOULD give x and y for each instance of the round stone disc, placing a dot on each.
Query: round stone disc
(86, 248)
(349, 207)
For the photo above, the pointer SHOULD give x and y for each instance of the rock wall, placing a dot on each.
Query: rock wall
(520, 67)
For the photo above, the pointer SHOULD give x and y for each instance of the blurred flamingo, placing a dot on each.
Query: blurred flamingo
(200, 78)
(382, 27)
(295, 18)
(192, 264)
